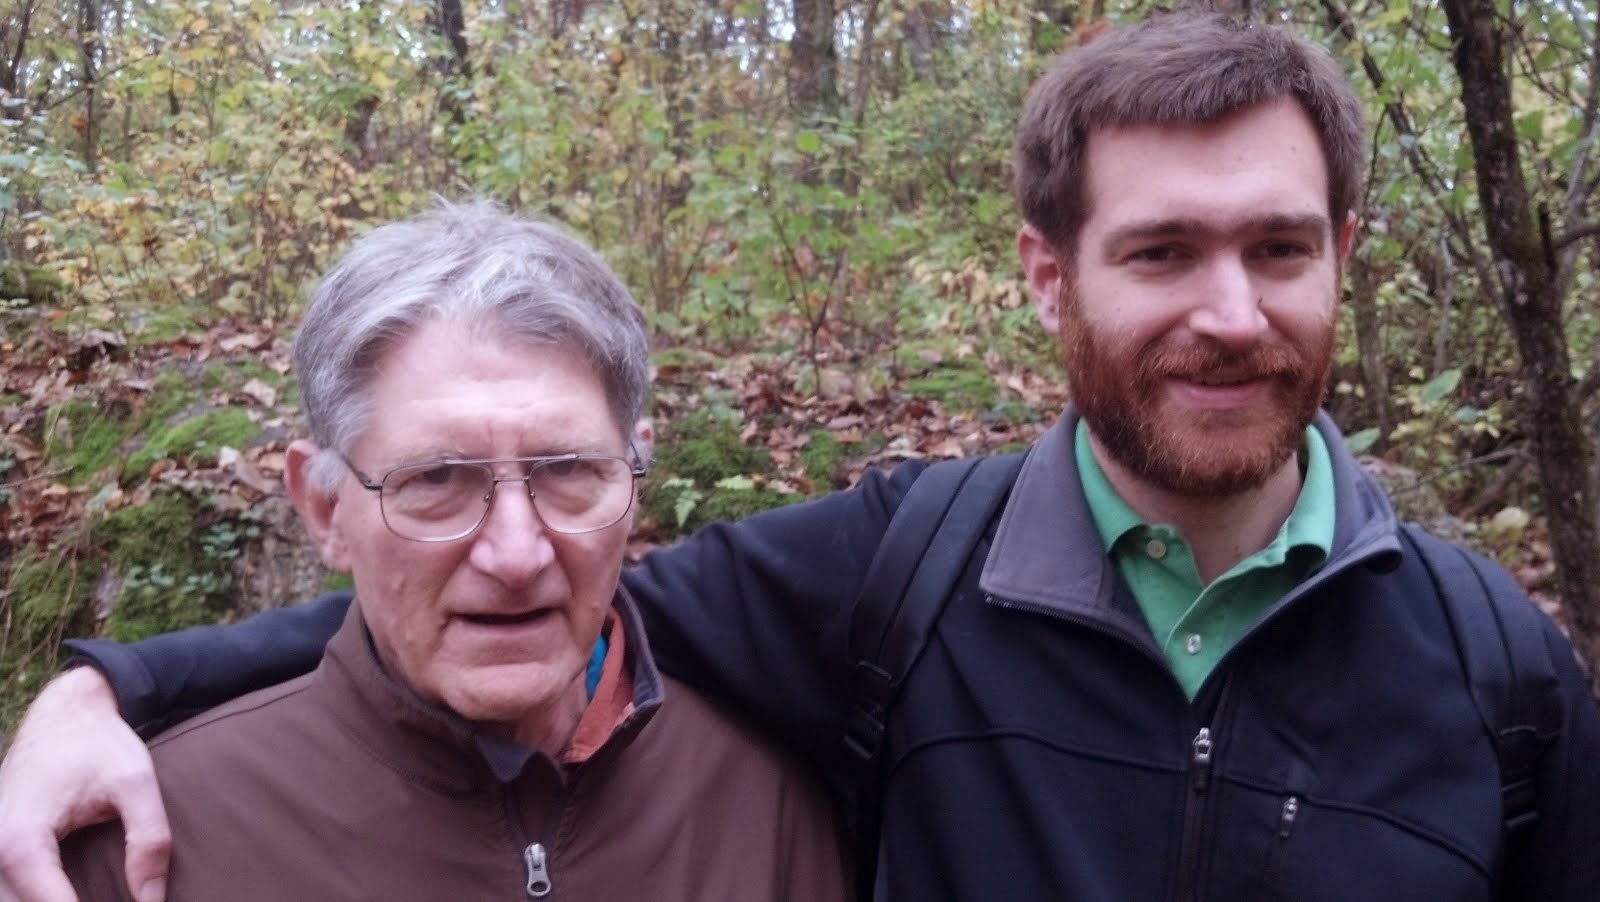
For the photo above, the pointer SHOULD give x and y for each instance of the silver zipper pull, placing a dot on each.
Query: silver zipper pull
(538, 875)
(1291, 810)
(1202, 758)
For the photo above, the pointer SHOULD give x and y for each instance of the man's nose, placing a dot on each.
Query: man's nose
(513, 544)
(1228, 310)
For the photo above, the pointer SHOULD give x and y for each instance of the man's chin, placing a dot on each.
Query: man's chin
(1218, 458)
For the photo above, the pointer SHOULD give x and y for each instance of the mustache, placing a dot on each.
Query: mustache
(1264, 361)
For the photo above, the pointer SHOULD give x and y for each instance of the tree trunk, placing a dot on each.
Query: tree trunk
(14, 28)
(88, 126)
(1369, 344)
(1530, 300)
(814, 60)
(454, 67)
(922, 32)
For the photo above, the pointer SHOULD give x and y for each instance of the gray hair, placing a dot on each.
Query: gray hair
(472, 263)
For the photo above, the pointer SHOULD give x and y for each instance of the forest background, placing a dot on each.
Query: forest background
(809, 197)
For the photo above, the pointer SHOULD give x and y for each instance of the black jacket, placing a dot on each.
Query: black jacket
(1042, 749)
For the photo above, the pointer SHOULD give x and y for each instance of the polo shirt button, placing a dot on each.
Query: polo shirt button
(1156, 549)
(1192, 644)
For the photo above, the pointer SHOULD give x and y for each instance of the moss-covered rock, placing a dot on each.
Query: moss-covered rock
(172, 565)
(703, 472)
(32, 284)
(704, 448)
(196, 440)
(82, 439)
(824, 458)
(957, 386)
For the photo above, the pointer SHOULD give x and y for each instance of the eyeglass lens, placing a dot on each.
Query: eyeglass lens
(438, 501)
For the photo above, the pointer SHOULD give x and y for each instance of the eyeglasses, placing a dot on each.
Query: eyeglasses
(445, 500)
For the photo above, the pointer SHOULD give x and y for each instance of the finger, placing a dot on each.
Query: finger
(32, 873)
(149, 839)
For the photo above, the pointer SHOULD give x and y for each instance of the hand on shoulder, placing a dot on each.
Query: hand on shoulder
(73, 763)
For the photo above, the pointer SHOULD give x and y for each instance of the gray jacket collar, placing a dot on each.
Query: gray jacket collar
(1047, 554)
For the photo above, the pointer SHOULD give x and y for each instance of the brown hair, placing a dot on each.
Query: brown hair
(1178, 68)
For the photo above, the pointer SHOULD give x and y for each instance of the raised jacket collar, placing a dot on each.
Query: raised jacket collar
(1048, 555)
(433, 744)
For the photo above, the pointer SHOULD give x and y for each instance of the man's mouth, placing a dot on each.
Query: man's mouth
(1219, 381)
(502, 619)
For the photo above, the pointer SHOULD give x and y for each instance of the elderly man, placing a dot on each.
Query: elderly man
(488, 722)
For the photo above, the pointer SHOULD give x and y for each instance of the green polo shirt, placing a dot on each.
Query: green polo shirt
(1195, 625)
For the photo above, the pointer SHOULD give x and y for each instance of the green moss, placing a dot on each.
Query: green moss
(703, 473)
(195, 440)
(48, 594)
(171, 576)
(232, 374)
(48, 590)
(1013, 410)
(704, 449)
(164, 323)
(823, 458)
(957, 387)
(170, 393)
(83, 440)
(678, 506)
(33, 284)
(735, 504)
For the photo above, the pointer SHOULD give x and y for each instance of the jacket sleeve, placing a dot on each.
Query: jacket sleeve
(756, 614)
(1561, 863)
(164, 679)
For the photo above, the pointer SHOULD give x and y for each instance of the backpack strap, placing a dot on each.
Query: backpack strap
(918, 565)
(1499, 635)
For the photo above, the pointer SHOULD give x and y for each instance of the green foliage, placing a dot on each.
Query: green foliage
(47, 592)
(195, 440)
(958, 385)
(83, 439)
(703, 472)
(823, 459)
(173, 565)
(29, 284)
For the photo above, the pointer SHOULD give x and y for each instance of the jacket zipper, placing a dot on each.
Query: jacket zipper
(1287, 816)
(1291, 811)
(538, 874)
(535, 859)
(1201, 759)
(1200, 749)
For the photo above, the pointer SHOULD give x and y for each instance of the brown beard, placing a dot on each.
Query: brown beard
(1195, 454)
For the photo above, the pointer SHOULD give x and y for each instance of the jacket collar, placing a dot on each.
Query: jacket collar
(432, 744)
(1048, 555)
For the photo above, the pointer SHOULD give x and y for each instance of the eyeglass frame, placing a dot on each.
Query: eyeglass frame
(636, 469)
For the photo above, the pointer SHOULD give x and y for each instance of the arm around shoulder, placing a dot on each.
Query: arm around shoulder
(756, 613)
(166, 678)
(74, 763)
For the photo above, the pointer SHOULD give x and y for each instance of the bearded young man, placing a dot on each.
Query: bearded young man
(1190, 661)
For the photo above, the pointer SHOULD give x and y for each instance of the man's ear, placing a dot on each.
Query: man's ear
(1042, 268)
(315, 505)
(644, 439)
(1347, 236)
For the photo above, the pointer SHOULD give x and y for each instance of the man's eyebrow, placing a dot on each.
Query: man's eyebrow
(1168, 227)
